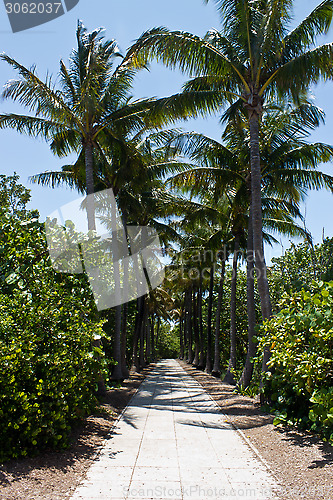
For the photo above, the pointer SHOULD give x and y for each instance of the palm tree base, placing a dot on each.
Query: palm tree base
(101, 389)
(229, 379)
(117, 374)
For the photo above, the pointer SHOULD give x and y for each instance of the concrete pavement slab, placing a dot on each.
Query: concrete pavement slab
(172, 442)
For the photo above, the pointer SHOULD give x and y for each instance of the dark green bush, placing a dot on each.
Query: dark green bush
(300, 338)
(47, 376)
(48, 364)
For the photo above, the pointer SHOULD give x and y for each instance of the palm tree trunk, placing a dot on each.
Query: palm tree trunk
(117, 372)
(188, 326)
(181, 336)
(89, 164)
(246, 376)
(101, 387)
(185, 326)
(202, 362)
(216, 368)
(124, 341)
(208, 368)
(148, 339)
(90, 188)
(260, 264)
(229, 378)
(125, 307)
(152, 334)
(158, 332)
(137, 328)
(195, 329)
(142, 336)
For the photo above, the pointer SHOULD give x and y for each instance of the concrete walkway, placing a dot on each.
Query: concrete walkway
(172, 442)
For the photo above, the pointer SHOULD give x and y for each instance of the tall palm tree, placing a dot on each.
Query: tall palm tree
(93, 115)
(254, 57)
(289, 167)
(78, 117)
(92, 112)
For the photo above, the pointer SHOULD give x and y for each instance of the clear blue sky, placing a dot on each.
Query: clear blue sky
(125, 21)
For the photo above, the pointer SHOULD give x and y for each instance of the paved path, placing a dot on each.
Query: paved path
(172, 442)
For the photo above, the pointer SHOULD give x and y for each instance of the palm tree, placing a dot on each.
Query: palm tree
(79, 116)
(289, 168)
(253, 58)
(92, 112)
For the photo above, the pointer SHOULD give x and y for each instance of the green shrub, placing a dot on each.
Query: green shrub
(48, 323)
(47, 376)
(300, 339)
(321, 412)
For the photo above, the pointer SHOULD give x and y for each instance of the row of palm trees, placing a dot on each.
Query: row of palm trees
(289, 166)
(199, 194)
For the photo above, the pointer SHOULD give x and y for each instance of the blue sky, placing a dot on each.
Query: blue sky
(125, 21)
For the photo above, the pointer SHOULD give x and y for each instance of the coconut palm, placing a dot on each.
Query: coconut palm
(92, 112)
(289, 168)
(254, 57)
(78, 117)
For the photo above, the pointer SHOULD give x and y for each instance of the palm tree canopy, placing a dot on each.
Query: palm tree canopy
(92, 105)
(289, 163)
(255, 54)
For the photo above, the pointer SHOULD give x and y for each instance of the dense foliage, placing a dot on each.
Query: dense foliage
(300, 339)
(299, 266)
(48, 364)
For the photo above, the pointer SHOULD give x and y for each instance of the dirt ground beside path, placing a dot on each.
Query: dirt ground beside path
(301, 463)
(55, 475)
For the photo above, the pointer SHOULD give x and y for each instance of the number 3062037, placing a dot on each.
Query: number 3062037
(33, 8)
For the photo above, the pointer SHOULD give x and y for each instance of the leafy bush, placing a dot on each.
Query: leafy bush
(47, 377)
(321, 413)
(300, 338)
(49, 366)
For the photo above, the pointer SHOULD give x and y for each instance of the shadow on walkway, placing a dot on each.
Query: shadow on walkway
(53, 473)
(231, 404)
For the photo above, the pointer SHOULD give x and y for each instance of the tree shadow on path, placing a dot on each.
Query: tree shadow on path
(52, 474)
